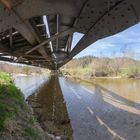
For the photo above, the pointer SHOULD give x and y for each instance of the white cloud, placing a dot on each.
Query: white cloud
(129, 38)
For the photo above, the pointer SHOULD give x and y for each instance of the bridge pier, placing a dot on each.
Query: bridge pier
(54, 72)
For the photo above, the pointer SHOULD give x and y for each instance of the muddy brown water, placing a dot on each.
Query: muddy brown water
(102, 109)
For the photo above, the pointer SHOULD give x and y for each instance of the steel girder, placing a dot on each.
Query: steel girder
(24, 33)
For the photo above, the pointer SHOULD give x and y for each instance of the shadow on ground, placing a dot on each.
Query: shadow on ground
(50, 109)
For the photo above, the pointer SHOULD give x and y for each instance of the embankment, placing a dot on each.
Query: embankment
(16, 119)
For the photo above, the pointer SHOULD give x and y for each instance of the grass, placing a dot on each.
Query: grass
(5, 78)
(16, 120)
(6, 112)
(9, 97)
(32, 120)
(31, 132)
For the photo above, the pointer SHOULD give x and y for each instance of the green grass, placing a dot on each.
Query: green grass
(32, 120)
(5, 113)
(15, 116)
(8, 89)
(5, 78)
(10, 96)
(31, 132)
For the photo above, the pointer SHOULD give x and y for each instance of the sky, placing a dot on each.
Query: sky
(126, 42)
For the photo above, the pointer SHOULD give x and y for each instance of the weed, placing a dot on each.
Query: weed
(32, 120)
(31, 132)
(5, 113)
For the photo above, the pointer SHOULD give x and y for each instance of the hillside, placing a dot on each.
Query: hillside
(102, 67)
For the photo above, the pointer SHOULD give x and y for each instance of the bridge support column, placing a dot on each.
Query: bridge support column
(54, 72)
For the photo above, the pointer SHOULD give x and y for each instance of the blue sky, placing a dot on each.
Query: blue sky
(114, 46)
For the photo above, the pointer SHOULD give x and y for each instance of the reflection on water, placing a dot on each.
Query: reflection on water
(28, 84)
(106, 109)
(49, 107)
(103, 109)
(123, 93)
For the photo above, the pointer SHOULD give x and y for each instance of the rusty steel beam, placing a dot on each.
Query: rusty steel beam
(10, 38)
(6, 59)
(25, 28)
(57, 30)
(69, 43)
(7, 3)
(29, 33)
(69, 31)
(95, 19)
(89, 37)
(4, 49)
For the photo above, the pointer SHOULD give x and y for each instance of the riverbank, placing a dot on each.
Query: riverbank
(83, 74)
(16, 119)
(94, 67)
(91, 80)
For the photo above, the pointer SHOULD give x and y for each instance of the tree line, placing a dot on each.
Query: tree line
(90, 66)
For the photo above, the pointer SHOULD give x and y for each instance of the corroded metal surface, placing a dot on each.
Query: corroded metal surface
(25, 24)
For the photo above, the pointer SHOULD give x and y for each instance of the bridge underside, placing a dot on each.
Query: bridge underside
(40, 32)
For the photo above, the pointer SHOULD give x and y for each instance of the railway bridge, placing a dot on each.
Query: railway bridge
(40, 32)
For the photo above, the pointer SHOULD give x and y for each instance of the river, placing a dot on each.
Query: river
(102, 109)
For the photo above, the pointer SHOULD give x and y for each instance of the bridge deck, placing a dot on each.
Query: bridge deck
(40, 32)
